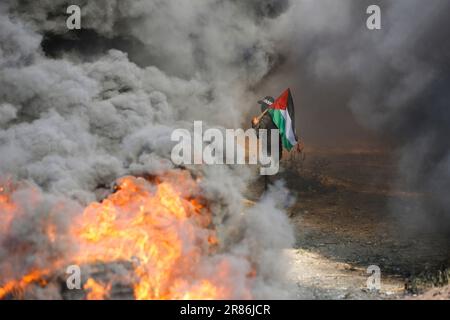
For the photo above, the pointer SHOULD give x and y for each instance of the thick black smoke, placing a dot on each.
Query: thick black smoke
(393, 81)
(79, 109)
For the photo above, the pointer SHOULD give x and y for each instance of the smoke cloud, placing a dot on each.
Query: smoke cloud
(354, 84)
(79, 109)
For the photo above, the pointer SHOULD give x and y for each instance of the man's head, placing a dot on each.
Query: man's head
(266, 103)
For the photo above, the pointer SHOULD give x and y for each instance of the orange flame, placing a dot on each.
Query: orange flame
(96, 291)
(17, 287)
(7, 206)
(162, 228)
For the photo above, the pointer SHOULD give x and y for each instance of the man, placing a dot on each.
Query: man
(266, 122)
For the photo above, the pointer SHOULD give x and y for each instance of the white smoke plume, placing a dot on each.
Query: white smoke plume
(77, 113)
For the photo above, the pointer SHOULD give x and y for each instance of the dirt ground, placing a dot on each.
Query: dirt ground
(345, 219)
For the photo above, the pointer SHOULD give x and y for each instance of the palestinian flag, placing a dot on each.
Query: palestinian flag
(282, 113)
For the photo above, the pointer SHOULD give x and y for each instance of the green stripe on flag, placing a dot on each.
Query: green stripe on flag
(280, 122)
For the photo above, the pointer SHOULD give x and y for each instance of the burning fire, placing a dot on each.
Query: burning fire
(8, 208)
(96, 291)
(17, 287)
(161, 226)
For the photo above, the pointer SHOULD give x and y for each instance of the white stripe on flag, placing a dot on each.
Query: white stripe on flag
(289, 132)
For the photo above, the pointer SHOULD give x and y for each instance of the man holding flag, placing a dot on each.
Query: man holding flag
(278, 114)
(264, 121)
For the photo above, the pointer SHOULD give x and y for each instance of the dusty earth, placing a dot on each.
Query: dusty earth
(349, 214)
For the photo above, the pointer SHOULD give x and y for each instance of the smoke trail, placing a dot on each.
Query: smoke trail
(77, 113)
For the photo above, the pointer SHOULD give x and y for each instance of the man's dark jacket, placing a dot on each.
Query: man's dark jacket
(266, 122)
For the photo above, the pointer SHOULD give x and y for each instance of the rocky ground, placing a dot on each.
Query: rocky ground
(345, 218)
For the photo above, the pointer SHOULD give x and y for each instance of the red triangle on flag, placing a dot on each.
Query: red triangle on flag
(282, 101)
